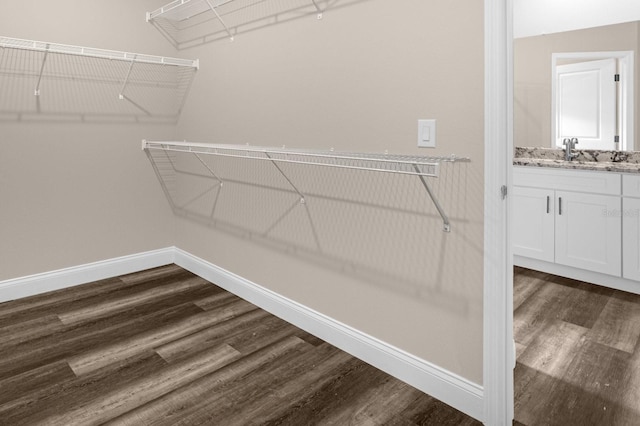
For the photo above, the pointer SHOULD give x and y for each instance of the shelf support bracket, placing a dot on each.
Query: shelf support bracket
(302, 201)
(213, 9)
(436, 203)
(44, 61)
(317, 8)
(209, 168)
(126, 80)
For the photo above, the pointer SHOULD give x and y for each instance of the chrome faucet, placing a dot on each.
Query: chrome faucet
(569, 146)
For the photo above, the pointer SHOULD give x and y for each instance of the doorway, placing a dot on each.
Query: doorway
(570, 361)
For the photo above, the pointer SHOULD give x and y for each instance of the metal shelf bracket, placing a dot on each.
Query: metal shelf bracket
(317, 8)
(302, 201)
(126, 80)
(436, 203)
(213, 9)
(215, 176)
(44, 61)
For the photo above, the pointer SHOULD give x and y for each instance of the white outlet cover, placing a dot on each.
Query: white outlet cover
(426, 133)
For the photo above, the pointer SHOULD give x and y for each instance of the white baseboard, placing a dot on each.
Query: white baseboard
(431, 379)
(605, 280)
(69, 277)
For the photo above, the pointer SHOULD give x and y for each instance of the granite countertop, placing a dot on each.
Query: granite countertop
(587, 159)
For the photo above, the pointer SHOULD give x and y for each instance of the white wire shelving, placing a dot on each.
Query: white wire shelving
(84, 80)
(180, 10)
(178, 19)
(46, 47)
(421, 166)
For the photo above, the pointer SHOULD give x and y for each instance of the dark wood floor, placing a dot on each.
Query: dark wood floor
(578, 352)
(165, 347)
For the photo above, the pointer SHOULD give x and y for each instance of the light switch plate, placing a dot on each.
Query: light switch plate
(426, 133)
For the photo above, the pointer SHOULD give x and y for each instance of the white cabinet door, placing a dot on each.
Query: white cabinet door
(589, 232)
(631, 238)
(533, 220)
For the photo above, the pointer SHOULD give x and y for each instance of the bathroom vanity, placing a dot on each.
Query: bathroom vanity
(579, 219)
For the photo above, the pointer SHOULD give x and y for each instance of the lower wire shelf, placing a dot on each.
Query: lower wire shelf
(421, 166)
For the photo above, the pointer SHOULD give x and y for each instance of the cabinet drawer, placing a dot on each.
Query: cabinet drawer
(631, 185)
(606, 183)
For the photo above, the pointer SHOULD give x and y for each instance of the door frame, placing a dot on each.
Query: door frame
(498, 344)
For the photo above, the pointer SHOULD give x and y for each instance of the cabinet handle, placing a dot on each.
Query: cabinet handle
(560, 205)
(548, 201)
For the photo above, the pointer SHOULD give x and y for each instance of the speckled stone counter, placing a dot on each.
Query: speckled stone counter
(587, 159)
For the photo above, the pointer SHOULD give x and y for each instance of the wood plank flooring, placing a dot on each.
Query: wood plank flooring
(578, 352)
(165, 347)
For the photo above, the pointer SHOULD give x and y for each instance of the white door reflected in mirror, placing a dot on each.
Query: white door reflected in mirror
(586, 103)
(593, 99)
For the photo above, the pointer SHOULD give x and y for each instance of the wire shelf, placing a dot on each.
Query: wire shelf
(179, 10)
(41, 46)
(420, 166)
(74, 82)
(187, 23)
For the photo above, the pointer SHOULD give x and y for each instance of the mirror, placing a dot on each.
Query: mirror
(535, 61)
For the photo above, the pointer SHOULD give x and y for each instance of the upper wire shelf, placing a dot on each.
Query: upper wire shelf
(41, 46)
(186, 23)
(179, 10)
(420, 166)
(86, 83)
